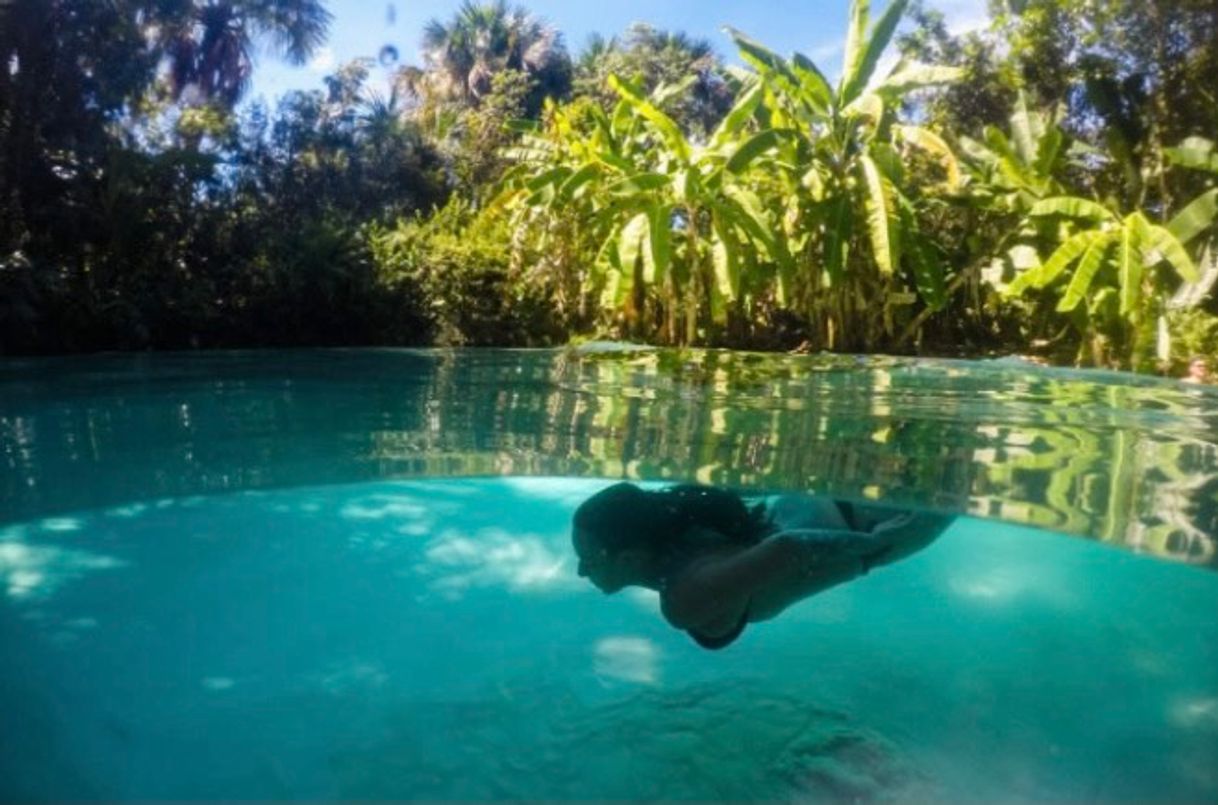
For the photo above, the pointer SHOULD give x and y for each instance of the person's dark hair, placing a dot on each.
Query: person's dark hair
(623, 516)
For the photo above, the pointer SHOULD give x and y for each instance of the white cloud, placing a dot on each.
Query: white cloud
(324, 61)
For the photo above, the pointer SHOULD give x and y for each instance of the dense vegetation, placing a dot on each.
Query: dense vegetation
(1045, 185)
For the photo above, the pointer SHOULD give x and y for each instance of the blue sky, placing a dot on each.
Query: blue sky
(814, 27)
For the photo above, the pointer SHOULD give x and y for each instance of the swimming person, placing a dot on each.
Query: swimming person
(720, 564)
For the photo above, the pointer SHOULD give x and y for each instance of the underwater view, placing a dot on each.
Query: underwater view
(350, 574)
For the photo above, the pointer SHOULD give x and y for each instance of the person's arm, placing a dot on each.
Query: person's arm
(766, 578)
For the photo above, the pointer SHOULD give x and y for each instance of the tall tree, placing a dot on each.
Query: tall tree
(463, 55)
(1136, 76)
(209, 44)
(652, 57)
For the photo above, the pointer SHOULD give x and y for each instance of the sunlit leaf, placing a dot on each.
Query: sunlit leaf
(1071, 207)
(1083, 276)
(666, 92)
(554, 176)
(630, 241)
(640, 183)
(667, 128)
(856, 37)
(918, 76)
(1191, 294)
(619, 282)
(1065, 254)
(1195, 152)
(735, 210)
(750, 149)
(880, 37)
(934, 145)
(578, 179)
(739, 116)
(725, 256)
(658, 255)
(1130, 262)
(812, 81)
(1161, 244)
(813, 183)
(1197, 217)
(1024, 131)
(764, 60)
(879, 207)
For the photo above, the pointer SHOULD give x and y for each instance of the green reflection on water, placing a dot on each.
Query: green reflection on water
(1131, 461)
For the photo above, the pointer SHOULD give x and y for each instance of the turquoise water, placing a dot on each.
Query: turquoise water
(347, 575)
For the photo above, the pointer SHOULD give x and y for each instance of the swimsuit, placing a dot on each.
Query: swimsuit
(847, 511)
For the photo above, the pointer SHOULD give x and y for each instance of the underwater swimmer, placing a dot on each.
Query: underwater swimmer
(719, 564)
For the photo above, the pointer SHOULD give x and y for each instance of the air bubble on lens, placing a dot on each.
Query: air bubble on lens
(388, 56)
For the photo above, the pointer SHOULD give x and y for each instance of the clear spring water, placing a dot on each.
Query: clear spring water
(347, 575)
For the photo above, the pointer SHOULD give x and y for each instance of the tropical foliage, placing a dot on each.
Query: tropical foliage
(1045, 184)
(649, 57)
(463, 56)
(854, 208)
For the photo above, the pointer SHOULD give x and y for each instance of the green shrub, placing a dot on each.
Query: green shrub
(1194, 332)
(460, 259)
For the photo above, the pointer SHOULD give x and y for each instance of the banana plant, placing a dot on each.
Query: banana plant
(1014, 171)
(674, 220)
(1197, 220)
(1115, 260)
(1008, 173)
(845, 154)
(1195, 152)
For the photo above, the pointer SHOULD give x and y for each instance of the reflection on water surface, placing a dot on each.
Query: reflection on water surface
(1132, 461)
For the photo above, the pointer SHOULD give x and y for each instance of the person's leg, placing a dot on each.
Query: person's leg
(796, 512)
(904, 535)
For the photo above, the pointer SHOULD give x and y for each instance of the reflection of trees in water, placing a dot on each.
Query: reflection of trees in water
(1128, 460)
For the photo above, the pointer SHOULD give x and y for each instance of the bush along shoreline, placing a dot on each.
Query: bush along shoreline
(1055, 198)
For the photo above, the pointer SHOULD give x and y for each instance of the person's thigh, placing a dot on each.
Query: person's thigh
(796, 512)
(906, 534)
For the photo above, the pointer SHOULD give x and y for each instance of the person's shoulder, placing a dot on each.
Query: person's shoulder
(691, 591)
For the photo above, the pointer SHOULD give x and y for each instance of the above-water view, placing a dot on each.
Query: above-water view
(351, 574)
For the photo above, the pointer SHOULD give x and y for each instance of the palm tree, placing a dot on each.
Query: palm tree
(596, 52)
(482, 39)
(652, 57)
(209, 44)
